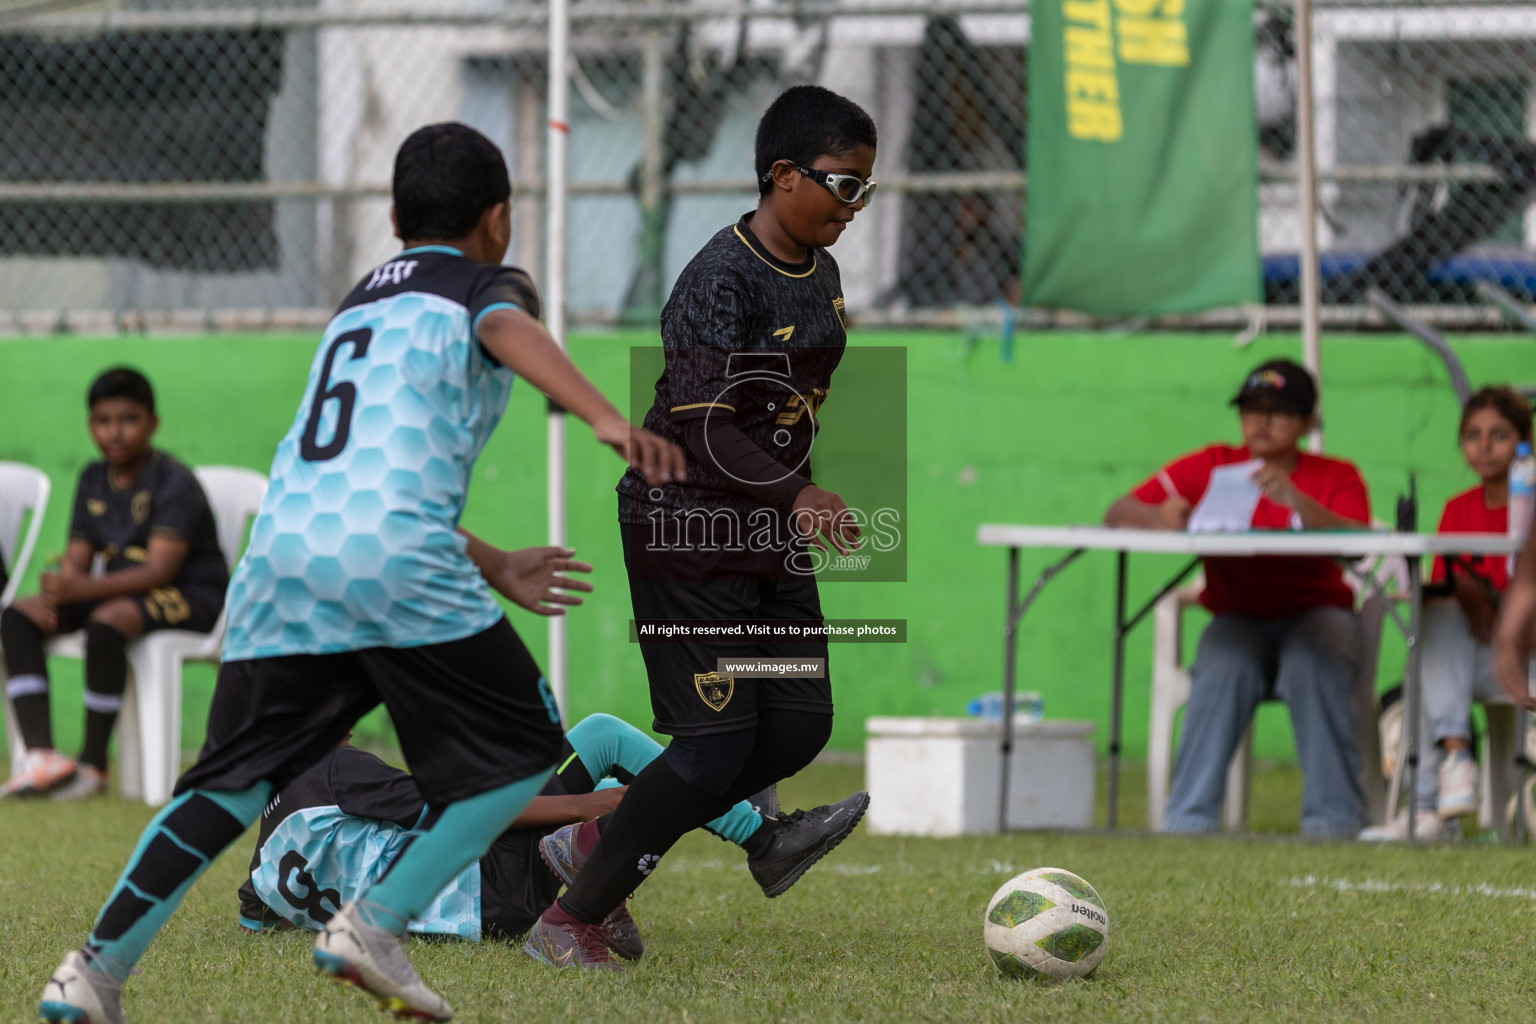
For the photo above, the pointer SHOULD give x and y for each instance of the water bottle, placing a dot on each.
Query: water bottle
(1522, 495)
(1027, 706)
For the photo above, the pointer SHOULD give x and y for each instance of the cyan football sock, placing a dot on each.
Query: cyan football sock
(607, 745)
(737, 824)
(462, 834)
(176, 847)
(244, 804)
(611, 746)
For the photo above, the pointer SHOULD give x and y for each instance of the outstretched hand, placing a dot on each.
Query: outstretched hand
(658, 460)
(532, 578)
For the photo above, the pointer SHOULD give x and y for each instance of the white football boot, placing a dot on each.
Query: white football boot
(76, 994)
(357, 953)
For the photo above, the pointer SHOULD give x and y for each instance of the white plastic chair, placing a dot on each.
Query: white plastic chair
(1171, 685)
(23, 491)
(149, 729)
(1498, 773)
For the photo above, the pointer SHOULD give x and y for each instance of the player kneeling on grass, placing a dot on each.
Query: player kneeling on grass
(358, 588)
(145, 516)
(338, 827)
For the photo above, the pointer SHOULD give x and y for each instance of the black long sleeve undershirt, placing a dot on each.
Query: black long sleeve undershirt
(738, 455)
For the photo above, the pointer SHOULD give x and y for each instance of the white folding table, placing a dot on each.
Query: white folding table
(1350, 545)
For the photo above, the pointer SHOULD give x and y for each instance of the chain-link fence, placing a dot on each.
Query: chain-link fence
(192, 161)
(1424, 119)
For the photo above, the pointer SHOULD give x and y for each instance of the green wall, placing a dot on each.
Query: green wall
(1051, 437)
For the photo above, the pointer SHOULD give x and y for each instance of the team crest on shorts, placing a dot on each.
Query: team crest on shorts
(714, 689)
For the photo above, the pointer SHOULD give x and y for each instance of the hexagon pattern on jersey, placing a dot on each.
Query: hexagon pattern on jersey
(343, 856)
(360, 549)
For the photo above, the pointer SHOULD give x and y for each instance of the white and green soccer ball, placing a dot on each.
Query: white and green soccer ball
(1046, 923)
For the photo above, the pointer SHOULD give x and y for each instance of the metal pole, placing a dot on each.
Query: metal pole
(528, 160)
(1010, 653)
(1119, 690)
(1522, 775)
(1429, 336)
(645, 302)
(555, 249)
(1412, 690)
(1306, 158)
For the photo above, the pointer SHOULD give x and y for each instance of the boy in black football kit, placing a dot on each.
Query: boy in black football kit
(752, 333)
(146, 516)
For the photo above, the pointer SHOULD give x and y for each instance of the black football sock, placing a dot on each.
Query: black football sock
(656, 811)
(758, 842)
(106, 676)
(26, 677)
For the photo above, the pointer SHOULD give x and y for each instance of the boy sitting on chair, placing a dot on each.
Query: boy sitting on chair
(1281, 625)
(145, 515)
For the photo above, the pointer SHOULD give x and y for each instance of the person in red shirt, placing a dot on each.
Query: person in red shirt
(1456, 636)
(1280, 626)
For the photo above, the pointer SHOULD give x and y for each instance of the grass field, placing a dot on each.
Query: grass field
(1242, 928)
(887, 929)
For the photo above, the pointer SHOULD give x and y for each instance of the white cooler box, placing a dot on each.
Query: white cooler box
(939, 776)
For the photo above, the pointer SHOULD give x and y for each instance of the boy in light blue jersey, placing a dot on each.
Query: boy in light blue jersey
(359, 588)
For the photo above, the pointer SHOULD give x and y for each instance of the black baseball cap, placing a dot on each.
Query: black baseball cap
(1282, 384)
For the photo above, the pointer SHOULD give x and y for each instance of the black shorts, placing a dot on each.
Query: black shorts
(516, 887)
(196, 609)
(472, 714)
(688, 696)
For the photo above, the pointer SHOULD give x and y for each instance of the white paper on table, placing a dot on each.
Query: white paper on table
(1229, 500)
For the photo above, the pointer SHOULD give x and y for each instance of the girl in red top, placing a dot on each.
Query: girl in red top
(1458, 625)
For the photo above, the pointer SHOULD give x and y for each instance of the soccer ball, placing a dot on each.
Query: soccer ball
(1046, 923)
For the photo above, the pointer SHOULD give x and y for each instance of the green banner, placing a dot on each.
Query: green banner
(1143, 156)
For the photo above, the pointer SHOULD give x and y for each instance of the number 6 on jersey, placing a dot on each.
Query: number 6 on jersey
(345, 394)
